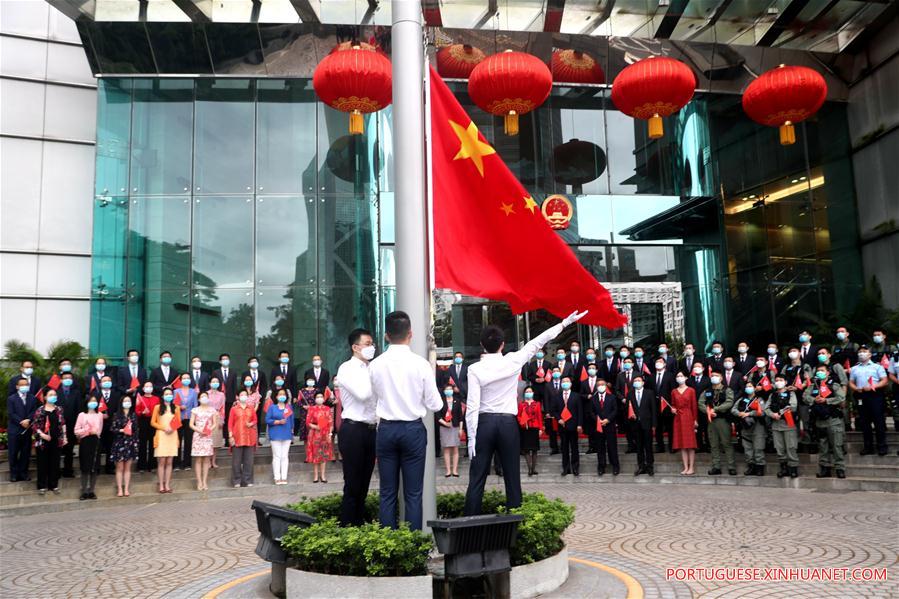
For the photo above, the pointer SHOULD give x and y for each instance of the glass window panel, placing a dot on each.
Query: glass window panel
(638, 165)
(162, 122)
(286, 319)
(159, 243)
(224, 149)
(107, 333)
(121, 48)
(108, 250)
(113, 136)
(285, 241)
(235, 49)
(385, 146)
(222, 321)
(285, 137)
(340, 310)
(223, 241)
(386, 214)
(179, 48)
(159, 321)
(347, 241)
(345, 161)
(578, 155)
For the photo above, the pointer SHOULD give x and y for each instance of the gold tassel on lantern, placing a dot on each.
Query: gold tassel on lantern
(356, 123)
(787, 134)
(656, 127)
(510, 123)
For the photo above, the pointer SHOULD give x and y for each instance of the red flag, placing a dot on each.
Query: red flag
(135, 383)
(127, 428)
(765, 383)
(630, 411)
(566, 414)
(327, 393)
(824, 391)
(452, 383)
(599, 425)
(708, 412)
(94, 384)
(482, 212)
(448, 417)
(846, 366)
(871, 382)
(54, 382)
(583, 375)
(177, 383)
(788, 418)
(522, 418)
(176, 423)
(47, 426)
(207, 430)
(664, 403)
(101, 407)
(756, 405)
(549, 377)
(541, 373)
(798, 382)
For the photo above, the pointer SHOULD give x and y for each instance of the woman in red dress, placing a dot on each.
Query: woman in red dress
(684, 408)
(530, 421)
(319, 447)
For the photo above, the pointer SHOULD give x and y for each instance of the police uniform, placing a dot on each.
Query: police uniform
(846, 354)
(804, 371)
(720, 399)
(752, 432)
(786, 439)
(871, 405)
(827, 414)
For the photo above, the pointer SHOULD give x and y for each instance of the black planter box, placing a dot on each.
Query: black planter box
(272, 522)
(476, 545)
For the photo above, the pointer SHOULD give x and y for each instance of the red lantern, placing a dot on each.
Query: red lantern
(510, 84)
(457, 61)
(653, 88)
(784, 96)
(355, 79)
(574, 66)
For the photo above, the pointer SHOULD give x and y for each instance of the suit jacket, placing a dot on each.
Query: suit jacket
(71, 403)
(159, 380)
(736, 380)
(715, 362)
(642, 366)
(459, 378)
(609, 410)
(261, 385)
(585, 391)
(17, 411)
(647, 412)
(12, 387)
(622, 385)
(778, 363)
(112, 404)
(122, 380)
(322, 381)
(811, 356)
(577, 367)
(529, 374)
(608, 372)
(668, 383)
(686, 368)
(574, 406)
(200, 384)
(290, 381)
(229, 384)
(702, 386)
(549, 395)
(744, 363)
(567, 370)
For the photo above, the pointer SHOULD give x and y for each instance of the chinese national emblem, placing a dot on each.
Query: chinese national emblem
(558, 211)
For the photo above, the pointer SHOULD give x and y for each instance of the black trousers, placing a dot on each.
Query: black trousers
(643, 437)
(702, 432)
(605, 443)
(497, 433)
(145, 458)
(357, 442)
(553, 436)
(625, 425)
(873, 422)
(48, 466)
(571, 457)
(68, 452)
(185, 443)
(665, 424)
(19, 452)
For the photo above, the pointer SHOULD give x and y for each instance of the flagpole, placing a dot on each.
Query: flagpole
(413, 290)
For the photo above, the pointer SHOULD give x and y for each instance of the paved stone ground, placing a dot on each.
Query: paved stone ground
(183, 549)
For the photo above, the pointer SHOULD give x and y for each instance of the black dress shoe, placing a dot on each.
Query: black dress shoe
(714, 471)
(651, 471)
(866, 452)
(660, 449)
(600, 471)
(590, 450)
(630, 450)
(616, 471)
(882, 453)
(841, 473)
(576, 472)
(732, 471)
(823, 472)
(750, 470)
(794, 471)
(566, 472)
(639, 471)
(83, 497)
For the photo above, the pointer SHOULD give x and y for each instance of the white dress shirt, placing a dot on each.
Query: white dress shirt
(355, 392)
(493, 382)
(403, 385)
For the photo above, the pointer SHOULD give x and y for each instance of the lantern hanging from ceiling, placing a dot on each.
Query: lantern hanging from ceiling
(355, 79)
(574, 66)
(653, 88)
(458, 60)
(510, 84)
(784, 96)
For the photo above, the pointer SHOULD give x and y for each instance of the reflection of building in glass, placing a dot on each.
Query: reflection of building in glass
(643, 323)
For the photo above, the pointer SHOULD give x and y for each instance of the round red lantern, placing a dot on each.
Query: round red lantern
(355, 79)
(458, 61)
(510, 84)
(574, 66)
(653, 88)
(784, 96)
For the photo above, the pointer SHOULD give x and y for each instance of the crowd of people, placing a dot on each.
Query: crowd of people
(163, 419)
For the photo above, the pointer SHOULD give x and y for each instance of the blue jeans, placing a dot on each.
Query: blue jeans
(401, 447)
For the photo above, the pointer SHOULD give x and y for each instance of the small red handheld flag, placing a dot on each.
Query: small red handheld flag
(871, 382)
(788, 418)
(665, 405)
(846, 365)
(135, 383)
(631, 415)
(765, 383)
(127, 428)
(47, 426)
(541, 373)
(884, 361)
(798, 382)
(583, 375)
(599, 425)
(756, 405)
(176, 422)
(566, 414)
(708, 412)
(448, 417)
(824, 391)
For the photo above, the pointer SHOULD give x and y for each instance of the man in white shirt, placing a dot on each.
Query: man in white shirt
(358, 427)
(405, 391)
(492, 410)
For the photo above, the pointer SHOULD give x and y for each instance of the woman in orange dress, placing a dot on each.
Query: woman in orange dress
(319, 447)
(684, 408)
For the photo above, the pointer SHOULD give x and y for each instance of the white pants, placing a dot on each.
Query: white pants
(280, 451)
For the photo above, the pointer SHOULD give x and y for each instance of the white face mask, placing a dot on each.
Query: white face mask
(204, 401)
(319, 401)
(126, 404)
(716, 380)
(368, 352)
(316, 363)
(793, 355)
(197, 365)
(242, 400)
(760, 363)
(601, 388)
(148, 390)
(697, 371)
(660, 366)
(729, 365)
(310, 383)
(681, 380)
(779, 384)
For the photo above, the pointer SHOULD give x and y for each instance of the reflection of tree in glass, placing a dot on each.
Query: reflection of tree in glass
(280, 335)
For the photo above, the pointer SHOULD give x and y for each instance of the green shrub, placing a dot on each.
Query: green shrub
(540, 533)
(328, 506)
(367, 550)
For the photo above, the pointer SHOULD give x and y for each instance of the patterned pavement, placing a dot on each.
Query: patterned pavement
(186, 548)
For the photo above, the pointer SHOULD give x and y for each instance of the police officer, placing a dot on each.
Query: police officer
(868, 381)
(797, 373)
(749, 410)
(781, 409)
(715, 406)
(882, 352)
(826, 396)
(845, 353)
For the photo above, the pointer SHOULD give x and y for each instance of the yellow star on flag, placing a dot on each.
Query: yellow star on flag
(530, 204)
(471, 146)
(507, 208)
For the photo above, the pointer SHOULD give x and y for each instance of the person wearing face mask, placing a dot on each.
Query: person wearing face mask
(97, 371)
(318, 373)
(601, 415)
(808, 353)
(130, 376)
(203, 422)
(108, 398)
(845, 353)
(26, 374)
(88, 428)
(744, 360)
(686, 363)
(166, 419)
(716, 404)
(257, 385)
(577, 361)
(662, 382)
(608, 365)
(868, 381)
(684, 406)
(563, 364)
(456, 375)
(623, 387)
(278, 383)
(319, 446)
(228, 385)
(242, 430)
(165, 374)
(551, 389)
(586, 388)
(663, 353)
(49, 432)
(797, 374)
(715, 360)
(70, 400)
(449, 420)
(826, 396)
(125, 430)
(305, 400)
(144, 405)
(566, 410)
(781, 409)
(748, 410)
(186, 398)
(199, 379)
(20, 407)
(288, 373)
(773, 359)
(216, 402)
(640, 364)
(699, 381)
(279, 418)
(643, 414)
(530, 423)
(537, 373)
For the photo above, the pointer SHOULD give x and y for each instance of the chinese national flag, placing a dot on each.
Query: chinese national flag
(599, 425)
(541, 373)
(664, 403)
(757, 406)
(885, 361)
(798, 382)
(566, 414)
(708, 412)
(788, 418)
(127, 428)
(176, 422)
(583, 375)
(135, 383)
(486, 222)
(631, 415)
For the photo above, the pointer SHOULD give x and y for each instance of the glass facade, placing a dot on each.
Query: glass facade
(238, 215)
